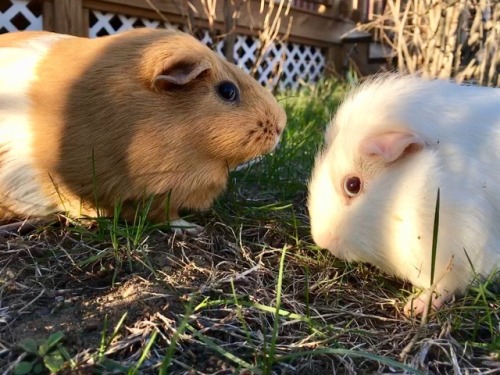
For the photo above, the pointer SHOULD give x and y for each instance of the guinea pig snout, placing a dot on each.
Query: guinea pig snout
(326, 240)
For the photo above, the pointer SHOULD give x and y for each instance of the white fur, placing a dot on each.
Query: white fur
(390, 223)
(17, 175)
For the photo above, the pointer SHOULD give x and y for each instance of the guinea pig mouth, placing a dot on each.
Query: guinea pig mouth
(276, 143)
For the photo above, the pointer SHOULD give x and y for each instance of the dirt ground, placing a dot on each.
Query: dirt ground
(45, 291)
(75, 282)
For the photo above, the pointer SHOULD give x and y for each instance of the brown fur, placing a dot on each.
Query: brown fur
(95, 109)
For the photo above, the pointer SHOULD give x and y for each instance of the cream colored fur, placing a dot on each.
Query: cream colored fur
(85, 110)
(19, 186)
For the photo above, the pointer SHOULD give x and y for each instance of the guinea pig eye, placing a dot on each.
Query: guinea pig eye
(228, 91)
(352, 186)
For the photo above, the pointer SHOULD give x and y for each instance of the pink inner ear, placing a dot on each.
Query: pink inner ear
(180, 73)
(390, 146)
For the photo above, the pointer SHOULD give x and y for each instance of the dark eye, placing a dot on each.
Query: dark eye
(228, 91)
(352, 186)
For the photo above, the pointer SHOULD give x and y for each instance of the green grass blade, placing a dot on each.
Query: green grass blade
(167, 360)
(105, 343)
(144, 355)
(212, 345)
(272, 349)
(435, 237)
(240, 316)
(351, 353)
(94, 181)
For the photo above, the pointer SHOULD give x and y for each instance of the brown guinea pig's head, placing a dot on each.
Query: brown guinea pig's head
(219, 112)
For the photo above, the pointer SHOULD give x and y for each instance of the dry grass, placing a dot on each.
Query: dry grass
(457, 39)
(224, 302)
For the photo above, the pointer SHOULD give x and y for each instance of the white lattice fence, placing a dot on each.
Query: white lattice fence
(298, 63)
(301, 63)
(20, 15)
(108, 23)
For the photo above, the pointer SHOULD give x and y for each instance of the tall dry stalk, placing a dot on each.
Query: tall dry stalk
(274, 12)
(269, 34)
(231, 14)
(443, 38)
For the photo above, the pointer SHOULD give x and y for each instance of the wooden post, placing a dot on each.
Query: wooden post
(48, 16)
(337, 9)
(66, 17)
(229, 28)
(333, 61)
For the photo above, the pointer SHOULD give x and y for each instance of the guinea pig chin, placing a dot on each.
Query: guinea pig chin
(276, 143)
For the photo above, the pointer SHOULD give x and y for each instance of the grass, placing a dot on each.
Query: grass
(252, 294)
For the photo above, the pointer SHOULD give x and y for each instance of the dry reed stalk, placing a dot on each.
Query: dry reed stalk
(275, 12)
(269, 35)
(209, 7)
(231, 15)
(188, 12)
(445, 39)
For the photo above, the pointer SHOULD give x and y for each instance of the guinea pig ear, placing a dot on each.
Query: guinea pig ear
(391, 146)
(180, 73)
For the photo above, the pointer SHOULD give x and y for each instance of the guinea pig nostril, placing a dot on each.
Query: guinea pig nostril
(278, 130)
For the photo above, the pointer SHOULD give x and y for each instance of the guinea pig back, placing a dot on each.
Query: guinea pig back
(392, 144)
(86, 123)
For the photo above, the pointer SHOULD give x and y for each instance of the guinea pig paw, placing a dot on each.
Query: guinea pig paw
(180, 226)
(416, 305)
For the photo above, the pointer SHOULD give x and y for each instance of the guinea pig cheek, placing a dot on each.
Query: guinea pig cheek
(325, 210)
(351, 224)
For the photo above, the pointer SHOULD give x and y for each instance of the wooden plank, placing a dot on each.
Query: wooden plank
(48, 16)
(307, 27)
(68, 17)
(85, 22)
(136, 11)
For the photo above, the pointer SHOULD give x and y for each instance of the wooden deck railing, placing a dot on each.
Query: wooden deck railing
(318, 28)
(320, 38)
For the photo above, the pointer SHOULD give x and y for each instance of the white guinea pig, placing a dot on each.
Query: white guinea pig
(392, 144)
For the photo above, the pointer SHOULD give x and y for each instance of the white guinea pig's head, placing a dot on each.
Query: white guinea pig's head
(375, 181)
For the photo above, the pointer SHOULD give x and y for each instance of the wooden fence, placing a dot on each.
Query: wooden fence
(319, 28)
(320, 36)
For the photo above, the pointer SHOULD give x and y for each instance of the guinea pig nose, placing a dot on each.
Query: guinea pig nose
(325, 240)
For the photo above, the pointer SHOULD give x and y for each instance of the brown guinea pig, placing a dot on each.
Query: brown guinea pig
(86, 124)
